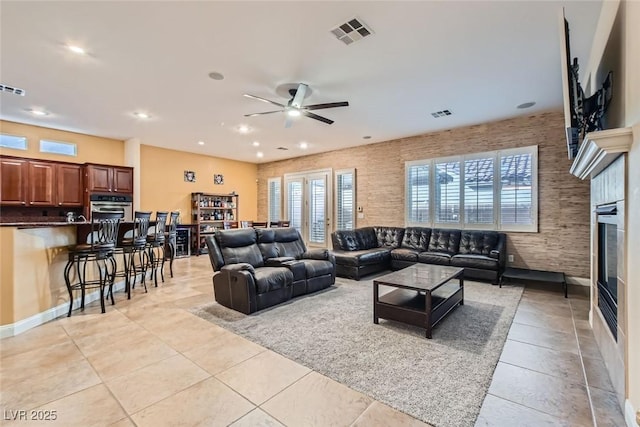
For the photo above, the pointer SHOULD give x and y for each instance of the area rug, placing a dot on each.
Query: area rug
(441, 381)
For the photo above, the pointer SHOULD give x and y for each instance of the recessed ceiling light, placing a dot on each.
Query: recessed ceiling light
(142, 115)
(366, 137)
(293, 112)
(260, 154)
(37, 112)
(526, 105)
(243, 129)
(255, 143)
(76, 49)
(200, 142)
(304, 145)
(216, 76)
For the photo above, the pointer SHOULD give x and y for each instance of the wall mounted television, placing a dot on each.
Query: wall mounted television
(582, 114)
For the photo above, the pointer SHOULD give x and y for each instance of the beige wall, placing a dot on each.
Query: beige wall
(163, 186)
(90, 148)
(562, 243)
(631, 62)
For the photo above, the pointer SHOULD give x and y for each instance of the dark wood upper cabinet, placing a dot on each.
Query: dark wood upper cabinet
(13, 174)
(109, 179)
(70, 188)
(41, 183)
(123, 180)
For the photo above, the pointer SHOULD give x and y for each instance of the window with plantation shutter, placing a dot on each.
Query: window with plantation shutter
(479, 190)
(274, 199)
(294, 203)
(345, 199)
(417, 194)
(517, 206)
(493, 190)
(447, 192)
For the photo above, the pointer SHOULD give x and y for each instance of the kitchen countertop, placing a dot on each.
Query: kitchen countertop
(34, 224)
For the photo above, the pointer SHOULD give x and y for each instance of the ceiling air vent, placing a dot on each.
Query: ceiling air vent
(11, 89)
(283, 148)
(351, 31)
(441, 113)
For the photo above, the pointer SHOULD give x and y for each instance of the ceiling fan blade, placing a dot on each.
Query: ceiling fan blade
(317, 117)
(327, 105)
(266, 112)
(263, 100)
(299, 96)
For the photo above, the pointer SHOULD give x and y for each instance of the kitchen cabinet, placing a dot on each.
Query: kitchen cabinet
(109, 179)
(35, 183)
(13, 174)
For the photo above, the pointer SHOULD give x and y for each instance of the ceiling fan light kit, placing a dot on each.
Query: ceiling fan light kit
(295, 106)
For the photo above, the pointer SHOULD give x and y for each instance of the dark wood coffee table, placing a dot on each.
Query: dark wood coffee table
(423, 297)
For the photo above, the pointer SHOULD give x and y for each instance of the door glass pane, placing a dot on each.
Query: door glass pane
(317, 209)
(515, 193)
(294, 204)
(447, 192)
(344, 204)
(478, 191)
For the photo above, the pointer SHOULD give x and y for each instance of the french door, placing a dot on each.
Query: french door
(308, 202)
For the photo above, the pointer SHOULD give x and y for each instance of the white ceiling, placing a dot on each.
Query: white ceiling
(478, 59)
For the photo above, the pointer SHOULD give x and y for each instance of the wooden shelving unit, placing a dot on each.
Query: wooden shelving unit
(211, 212)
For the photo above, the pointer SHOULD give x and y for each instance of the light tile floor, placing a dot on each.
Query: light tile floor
(148, 361)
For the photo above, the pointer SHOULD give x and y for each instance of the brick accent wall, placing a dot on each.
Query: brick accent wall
(562, 243)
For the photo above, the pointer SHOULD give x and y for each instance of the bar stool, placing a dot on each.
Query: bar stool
(99, 249)
(155, 243)
(134, 243)
(170, 237)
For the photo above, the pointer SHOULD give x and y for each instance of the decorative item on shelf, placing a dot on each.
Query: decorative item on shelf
(189, 176)
(218, 179)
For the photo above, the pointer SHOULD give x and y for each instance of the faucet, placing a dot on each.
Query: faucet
(81, 217)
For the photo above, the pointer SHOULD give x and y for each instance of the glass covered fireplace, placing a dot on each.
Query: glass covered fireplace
(608, 266)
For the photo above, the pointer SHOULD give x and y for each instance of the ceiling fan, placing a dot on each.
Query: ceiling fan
(294, 107)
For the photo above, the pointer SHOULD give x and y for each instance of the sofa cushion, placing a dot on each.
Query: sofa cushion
(416, 238)
(402, 254)
(478, 242)
(439, 258)
(389, 237)
(346, 240)
(271, 278)
(367, 238)
(239, 245)
(444, 240)
(475, 261)
(316, 267)
(359, 258)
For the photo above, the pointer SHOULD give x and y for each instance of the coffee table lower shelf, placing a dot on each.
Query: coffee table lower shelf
(412, 307)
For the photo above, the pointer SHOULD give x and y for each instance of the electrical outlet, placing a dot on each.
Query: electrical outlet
(510, 258)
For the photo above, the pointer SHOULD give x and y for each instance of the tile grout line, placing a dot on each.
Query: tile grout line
(584, 370)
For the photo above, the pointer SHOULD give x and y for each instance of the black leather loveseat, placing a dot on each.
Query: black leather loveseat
(371, 249)
(258, 268)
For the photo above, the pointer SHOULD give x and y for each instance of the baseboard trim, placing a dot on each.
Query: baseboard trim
(31, 322)
(630, 415)
(582, 281)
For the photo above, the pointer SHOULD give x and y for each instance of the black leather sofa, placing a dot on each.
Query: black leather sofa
(259, 268)
(372, 249)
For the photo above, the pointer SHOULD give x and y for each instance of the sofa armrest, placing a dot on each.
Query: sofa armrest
(241, 266)
(322, 254)
(235, 287)
(500, 251)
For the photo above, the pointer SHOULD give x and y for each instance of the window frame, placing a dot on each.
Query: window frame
(497, 224)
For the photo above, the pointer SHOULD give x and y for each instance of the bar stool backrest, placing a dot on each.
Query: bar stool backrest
(161, 224)
(104, 229)
(141, 220)
(173, 223)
